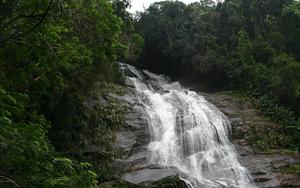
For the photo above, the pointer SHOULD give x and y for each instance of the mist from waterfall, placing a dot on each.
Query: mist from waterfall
(188, 132)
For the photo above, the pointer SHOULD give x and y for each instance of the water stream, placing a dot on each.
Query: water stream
(188, 132)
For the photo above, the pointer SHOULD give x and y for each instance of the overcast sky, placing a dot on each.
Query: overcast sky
(138, 5)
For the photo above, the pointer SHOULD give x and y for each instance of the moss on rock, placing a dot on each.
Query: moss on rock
(170, 182)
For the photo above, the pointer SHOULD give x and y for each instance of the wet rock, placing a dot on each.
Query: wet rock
(126, 139)
(129, 72)
(118, 184)
(152, 176)
(147, 175)
(259, 172)
(132, 138)
(262, 179)
(291, 181)
(264, 168)
(171, 182)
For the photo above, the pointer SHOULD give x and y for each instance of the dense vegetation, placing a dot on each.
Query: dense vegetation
(58, 55)
(51, 53)
(245, 45)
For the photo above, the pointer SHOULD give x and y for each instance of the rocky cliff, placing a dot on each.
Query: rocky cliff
(133, 138)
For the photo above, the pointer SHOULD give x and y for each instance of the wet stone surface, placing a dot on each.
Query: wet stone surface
(133, 139)
(263, 167)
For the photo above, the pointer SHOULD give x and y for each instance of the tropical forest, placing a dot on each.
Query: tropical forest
(179, 94)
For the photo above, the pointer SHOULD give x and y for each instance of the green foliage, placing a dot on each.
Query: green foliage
(289, 23)
(251, 46)
(268, 137)
(291, 169)
(27, 158)
(279, 133)
(293, 128)
(179, 41)
(89, 127)
(51, 53)
(77, 175)
(136, 44)
(100, 123)
(60, 52)
(245, 45)
(278, 114)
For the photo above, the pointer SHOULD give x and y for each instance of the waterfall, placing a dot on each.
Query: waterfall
(187, 132)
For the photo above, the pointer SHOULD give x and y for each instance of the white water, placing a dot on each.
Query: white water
(189, 133)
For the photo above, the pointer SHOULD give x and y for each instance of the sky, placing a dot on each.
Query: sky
(138, 5)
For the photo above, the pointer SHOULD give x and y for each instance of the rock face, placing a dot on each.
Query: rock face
(133, 139)
(263, 167)
(132, 143)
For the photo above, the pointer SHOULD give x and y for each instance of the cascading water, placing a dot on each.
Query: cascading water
(188, 133)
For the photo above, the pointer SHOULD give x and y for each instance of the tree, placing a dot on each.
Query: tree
(290, 25)
(51, 53)
(237, 44)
